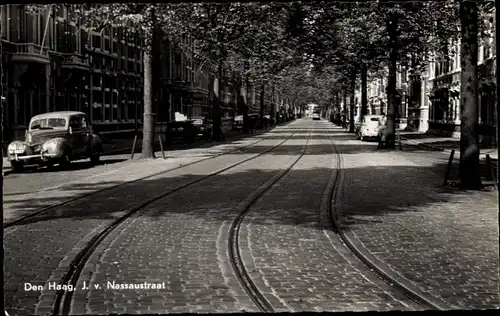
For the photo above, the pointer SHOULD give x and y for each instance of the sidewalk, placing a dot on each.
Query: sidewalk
(442, 241)
(124, 145)
(445, 144)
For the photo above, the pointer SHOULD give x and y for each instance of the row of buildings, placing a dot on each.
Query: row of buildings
(52, 63)
(430, 95)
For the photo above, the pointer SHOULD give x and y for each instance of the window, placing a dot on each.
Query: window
(114, 107)
(107, 44)
(83, 39)
(75, 122)
(85, 122)
(96, 41)
(73, 37)
(48, 123)
(61, 37)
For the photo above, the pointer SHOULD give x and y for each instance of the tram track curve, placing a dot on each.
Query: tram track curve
(63, 299)
(234, 250)
(376, 266)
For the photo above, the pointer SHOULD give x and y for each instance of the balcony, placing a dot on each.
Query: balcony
(75, 61)
(29, 53)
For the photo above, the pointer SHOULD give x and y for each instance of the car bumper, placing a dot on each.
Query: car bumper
(369, 134)
(32, 159)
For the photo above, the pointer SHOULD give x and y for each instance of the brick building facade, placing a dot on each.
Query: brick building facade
(52, 63)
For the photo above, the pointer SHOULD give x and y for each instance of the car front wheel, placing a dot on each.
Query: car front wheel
(17, 166)
(65, 160)
(94, 159)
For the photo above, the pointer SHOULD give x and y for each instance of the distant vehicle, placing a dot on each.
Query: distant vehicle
(183, 131)
(56, 138)
(369, 127)
(253, 120)
(316, 114)
(203, 127)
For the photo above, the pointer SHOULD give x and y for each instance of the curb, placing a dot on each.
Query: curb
(482, 156)
(126, 150)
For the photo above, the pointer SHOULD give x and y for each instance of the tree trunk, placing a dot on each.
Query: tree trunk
(2, 250)
(390, 130)
(246, 123)
(148, 125)
(339, 108)
(345, 109)
(364, 95)
(242, 107)
(469, 139)
(262, 90)
(273, 106)
(352, 103)
(216, 128)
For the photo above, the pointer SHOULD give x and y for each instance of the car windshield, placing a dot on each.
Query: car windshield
(197, 121)
(48, 123)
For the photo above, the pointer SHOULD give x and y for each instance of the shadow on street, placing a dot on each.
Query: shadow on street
(98, 206)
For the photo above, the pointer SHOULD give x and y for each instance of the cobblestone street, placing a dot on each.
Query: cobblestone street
(288, 188)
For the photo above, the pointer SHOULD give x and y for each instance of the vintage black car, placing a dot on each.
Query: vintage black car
(181, 131)
(202, 125)
(56, 138)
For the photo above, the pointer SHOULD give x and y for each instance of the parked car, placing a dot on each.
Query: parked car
(203, 127)
(238, 123)
(369, 127)
(55, 138)
(181, 131)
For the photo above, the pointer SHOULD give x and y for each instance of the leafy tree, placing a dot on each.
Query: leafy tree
(143, 18)
(406, 28)
(215, 29)
(261, 51)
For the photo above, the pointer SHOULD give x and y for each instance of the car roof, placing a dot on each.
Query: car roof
(60, 114)
(196, 117)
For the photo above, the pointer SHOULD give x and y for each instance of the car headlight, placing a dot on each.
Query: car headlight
(16, 148)
(51, 145)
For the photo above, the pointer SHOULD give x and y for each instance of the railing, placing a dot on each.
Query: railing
(32, 49)
(75, 59)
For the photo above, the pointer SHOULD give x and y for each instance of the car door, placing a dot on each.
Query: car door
(86, 126)
(78, 136)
